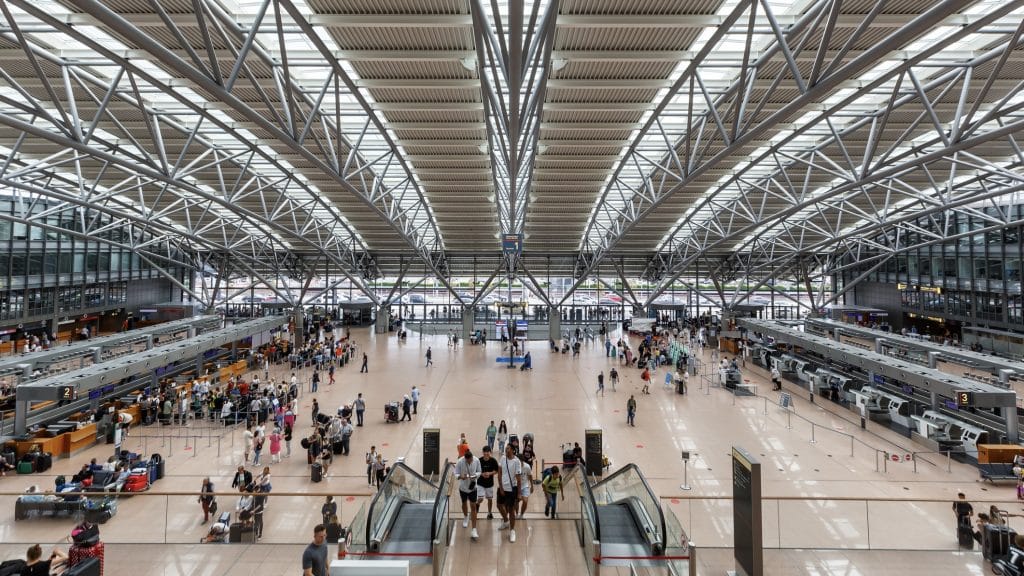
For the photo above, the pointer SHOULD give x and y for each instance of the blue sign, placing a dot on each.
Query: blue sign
(522, 324)
(950, 404)
(511, 243)
(108, 388)
(95, 394)
(879, 379)
(908, 389)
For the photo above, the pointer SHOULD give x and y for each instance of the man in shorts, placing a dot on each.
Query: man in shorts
(485, 485)
(467, 469)
(511, 470)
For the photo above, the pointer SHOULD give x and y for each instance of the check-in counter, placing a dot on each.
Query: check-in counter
(998, 453)
(53, 445)
(80, 439)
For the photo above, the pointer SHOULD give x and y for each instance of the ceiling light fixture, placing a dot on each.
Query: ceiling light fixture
(469, 63)
(558, 63)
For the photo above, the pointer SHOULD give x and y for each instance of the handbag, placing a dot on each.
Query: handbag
(213, 507)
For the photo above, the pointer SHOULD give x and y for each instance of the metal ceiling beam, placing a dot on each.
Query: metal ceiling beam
(402, 216)
(613, 219)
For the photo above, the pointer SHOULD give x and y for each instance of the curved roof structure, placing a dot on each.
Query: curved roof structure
(654, 138)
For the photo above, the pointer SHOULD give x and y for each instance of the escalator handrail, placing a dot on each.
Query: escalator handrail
(593, 506)
(442, 492)
(376, 497)
(647, 487)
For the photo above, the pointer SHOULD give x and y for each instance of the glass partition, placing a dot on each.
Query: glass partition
(628, 484)
(402, 484)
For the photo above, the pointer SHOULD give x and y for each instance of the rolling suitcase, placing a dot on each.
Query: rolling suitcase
(965, 536)
(78, 554)
(316, 473)
(336, 446)
(44, 462)
(25, 467)
(161, 465)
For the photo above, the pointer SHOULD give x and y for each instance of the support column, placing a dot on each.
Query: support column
(298, 339)
(878, 344)
(933, 359)
(149, 341)
(935, 400)
(383, 320)
(1004, 376)
(1010, 414)
(554, 323)
(20, 417)
(467, 322)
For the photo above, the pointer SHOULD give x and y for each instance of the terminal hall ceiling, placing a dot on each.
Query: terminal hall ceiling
(649, 138)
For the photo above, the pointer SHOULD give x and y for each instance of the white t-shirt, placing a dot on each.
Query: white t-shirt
(463, 469)
(511, 468)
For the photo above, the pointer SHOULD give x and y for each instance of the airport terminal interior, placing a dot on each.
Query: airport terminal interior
(511, 287)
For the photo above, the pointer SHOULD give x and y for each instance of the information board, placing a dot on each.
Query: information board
(785, 400)
(748, 547)
(511, 243)
(431, 451)
(592, 451)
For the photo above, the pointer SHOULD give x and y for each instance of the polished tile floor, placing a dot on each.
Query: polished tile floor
(815, 511)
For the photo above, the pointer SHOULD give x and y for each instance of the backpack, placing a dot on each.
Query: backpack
(12, 567)
(60, 481)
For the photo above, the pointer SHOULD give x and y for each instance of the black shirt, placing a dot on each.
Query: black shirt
(38, 569)
(963, 508)
(487, 465)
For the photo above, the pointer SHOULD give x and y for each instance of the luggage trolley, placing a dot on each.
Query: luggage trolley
(391, 412)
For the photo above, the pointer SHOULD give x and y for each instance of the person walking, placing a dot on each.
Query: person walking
(776, 379)
(328, 509)
(257, 449)
(406, 408)
(631, 410)
(378, 469)
(359, 406)
(316, 381)
(247, 435)
(364, 367)
(415, 395)
(552, 486)
(430, 355)
(275, 446)
(492, 431)
(600, 383)
(485, 485)
(502, 436)
(613, 375)
(330, 375)
(288, 440)
(315, 411)
(206, 499)
(467, 470)
(314, 557)
(509, 488)
(371, 459)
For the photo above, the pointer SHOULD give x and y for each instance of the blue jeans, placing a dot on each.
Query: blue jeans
(629, 416)
(490, 442)
(551, 502)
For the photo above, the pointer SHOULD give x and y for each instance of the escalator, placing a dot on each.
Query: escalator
(622, 524)
(406, 520)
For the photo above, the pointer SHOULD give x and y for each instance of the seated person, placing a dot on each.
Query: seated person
(5, 466)
(82, 475)
(36, 566)
(218, 533)
(94, 466)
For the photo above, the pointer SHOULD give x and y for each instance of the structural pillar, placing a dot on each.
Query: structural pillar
(1010, 415)
(933, 359)
(467, 322)
(297, 336)
(1004, 376)
(554, 323)
(878, 345)
(383, 320)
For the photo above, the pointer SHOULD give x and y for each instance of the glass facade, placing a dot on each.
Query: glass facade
(50, 269)
(972, 277)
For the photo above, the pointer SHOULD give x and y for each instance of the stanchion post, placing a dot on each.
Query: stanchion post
(765, 405)
(789, 419)
(813, 441)
(913, 456)
(686, 461)
(851, 446)
(691, 564)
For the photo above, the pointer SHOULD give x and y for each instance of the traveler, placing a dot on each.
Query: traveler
(526, 485)
(646, 377)
(257, 449)
(468, 472)
(315, 382)
(371, 457)
(463, 446)
(288, 440)
(315, 411)
(314, 557)
(360, 406)
(430, 355)
(207, 499)
(613, 375)
(509, 488)
(963, 510)
(406, 408)
(631, 411)
(248, 437)
(364, 367)
(502, 436)
(600, 383)
(346, 436)
(242, 478)
(35, 565)
(492, 431)
(329, 508)
(776, 379)
(275, 446)
(552, 485)
(485, 485)
(415, 396)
